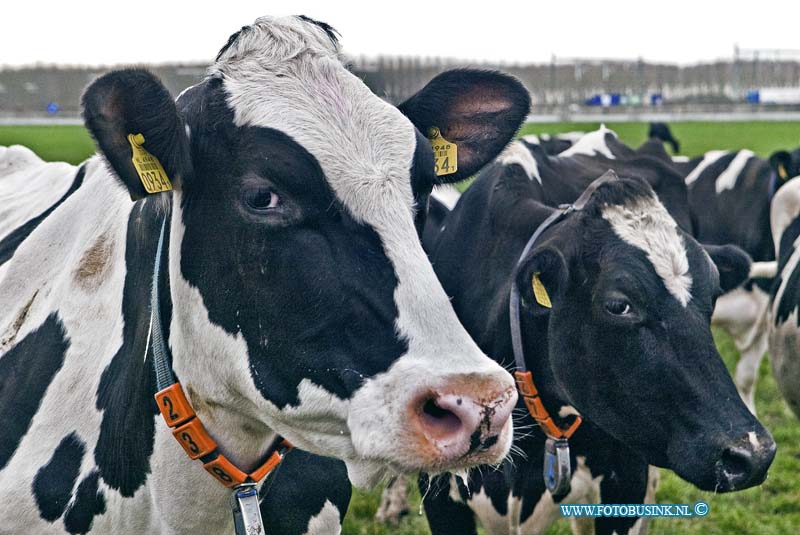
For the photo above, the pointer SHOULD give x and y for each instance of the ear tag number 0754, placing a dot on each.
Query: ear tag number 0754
(445, 153)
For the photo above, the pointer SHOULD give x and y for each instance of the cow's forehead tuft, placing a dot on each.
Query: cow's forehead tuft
(644, 223)
(276, 40)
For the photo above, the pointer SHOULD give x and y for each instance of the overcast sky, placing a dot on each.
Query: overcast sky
(140, 31)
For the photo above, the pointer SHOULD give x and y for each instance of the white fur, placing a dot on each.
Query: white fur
(327, 522)
(446, 194)
(765, 270)
(518, 153)
(708, 158)
(29, 185)
(645, 224)
(491, 519)
(592, 143)
(784, 209)
(568, 410)
(727, 179)
(533, 139)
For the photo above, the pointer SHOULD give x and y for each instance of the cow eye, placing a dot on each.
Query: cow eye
(262, 199)
(618, 307)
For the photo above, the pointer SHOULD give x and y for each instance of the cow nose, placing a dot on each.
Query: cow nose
(460, 423)
(745, 463)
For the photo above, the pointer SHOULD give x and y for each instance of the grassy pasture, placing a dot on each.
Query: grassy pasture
(771, 509)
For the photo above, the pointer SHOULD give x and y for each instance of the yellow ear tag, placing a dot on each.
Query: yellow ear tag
(539, 292)
(782, 172)
(445, 153)
(151, 172)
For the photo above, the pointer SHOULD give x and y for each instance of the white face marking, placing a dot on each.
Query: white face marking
(708, 159)
(533, 139)
(592, 143)
(751, 436)
(518, 153)
(727, 180)
(446, 194)
(645, 224)
(287, 75)
(327, 521)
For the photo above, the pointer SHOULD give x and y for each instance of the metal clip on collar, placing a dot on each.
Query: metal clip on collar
(246, 511)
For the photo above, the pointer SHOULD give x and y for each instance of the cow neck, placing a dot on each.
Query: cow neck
(178, 413)
(524, 378)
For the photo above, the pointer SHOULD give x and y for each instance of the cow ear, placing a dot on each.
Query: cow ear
(542, 278)
(130, 111)
(733, 265)
(477, 111)
(781, 163)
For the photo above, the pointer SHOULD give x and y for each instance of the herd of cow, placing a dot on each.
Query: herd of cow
(294, 257)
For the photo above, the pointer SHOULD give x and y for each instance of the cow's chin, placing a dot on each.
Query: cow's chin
(366, 474)
(368, 471)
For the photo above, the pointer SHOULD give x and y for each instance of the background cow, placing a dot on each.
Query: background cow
(784, 326)
(295, 296)
(626, 344)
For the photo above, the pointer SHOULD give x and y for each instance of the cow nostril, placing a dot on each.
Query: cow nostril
(736, 462)
(439, 421)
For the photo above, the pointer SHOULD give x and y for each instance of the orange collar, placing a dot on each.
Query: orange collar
(535, 406)
(190, 433)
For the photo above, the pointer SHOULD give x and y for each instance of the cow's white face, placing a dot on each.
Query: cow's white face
(302, 301)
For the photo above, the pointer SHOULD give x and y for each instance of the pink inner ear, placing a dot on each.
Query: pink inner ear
(481, 100)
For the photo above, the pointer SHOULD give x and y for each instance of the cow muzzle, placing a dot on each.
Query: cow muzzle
(744, 463)
(457, 421)
(427, 423)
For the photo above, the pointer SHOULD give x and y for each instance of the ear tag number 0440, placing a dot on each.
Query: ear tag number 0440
(150, 171)
(445, 153)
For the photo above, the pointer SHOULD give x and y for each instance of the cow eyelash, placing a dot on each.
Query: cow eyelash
(262, 199)
(618, 307)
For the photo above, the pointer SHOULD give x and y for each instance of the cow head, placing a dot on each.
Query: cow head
(785, 164)
(302, 300)
(628, 340)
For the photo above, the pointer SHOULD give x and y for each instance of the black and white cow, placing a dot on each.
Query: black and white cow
(560, 179)
(295, 294)
(554, 144)
(557, 143)
(626, 344)
(784, 325)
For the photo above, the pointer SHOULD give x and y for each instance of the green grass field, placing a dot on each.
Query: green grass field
(771, 509)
